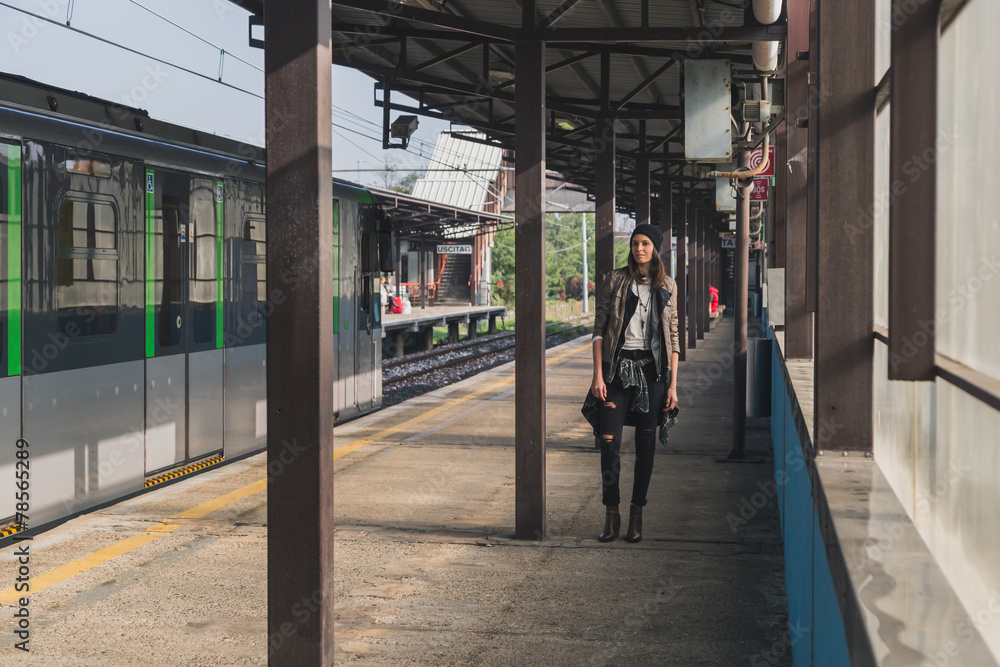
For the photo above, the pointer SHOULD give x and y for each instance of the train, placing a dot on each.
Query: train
(133, 307)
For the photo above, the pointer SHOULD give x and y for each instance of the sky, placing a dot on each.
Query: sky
(171, 65)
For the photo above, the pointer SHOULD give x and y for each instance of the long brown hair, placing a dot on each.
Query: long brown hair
(657, 272)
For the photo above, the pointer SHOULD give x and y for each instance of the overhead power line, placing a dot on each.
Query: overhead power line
(129, 49)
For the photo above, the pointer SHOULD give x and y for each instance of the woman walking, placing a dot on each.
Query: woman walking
(636, 351)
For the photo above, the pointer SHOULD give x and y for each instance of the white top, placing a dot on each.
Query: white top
(639, 325)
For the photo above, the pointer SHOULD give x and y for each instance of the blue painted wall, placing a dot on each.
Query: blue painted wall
(816, 627)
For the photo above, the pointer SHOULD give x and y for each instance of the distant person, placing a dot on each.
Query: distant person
(714, 293)
(636, 352)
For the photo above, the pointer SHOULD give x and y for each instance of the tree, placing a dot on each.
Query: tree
(394, 179)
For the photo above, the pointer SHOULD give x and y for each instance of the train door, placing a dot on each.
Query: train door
(10, 315)
(369, 320)
(184, 333)
(337, 352)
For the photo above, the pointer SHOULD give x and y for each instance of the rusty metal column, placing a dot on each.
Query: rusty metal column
(682, 279)
(741, 304)
(776, 206)
(422, 264)
(667, 225)
(642, 203)
(299, 338)
(604, 217)
(844, 320)
(529, 252)
(694, 278)
(912, 224)
(798, 320)
(702, 275)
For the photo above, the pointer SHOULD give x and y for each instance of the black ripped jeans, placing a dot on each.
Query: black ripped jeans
(612, 418)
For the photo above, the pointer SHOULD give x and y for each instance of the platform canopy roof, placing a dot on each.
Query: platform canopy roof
(604, 57)
(415, 218)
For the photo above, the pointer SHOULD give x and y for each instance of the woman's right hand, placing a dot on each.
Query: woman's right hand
(599, 389)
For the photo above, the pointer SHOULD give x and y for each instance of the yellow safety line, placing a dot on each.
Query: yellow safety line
(64, 572)
(357, 444)
(222, 501)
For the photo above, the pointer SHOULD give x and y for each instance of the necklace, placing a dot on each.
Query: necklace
(643, 308)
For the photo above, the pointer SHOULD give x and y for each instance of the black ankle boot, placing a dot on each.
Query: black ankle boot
(634, 533)
(612, 524)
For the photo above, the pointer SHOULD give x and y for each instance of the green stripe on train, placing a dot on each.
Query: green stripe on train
(218, 263)
(150, 260)
(13, 260)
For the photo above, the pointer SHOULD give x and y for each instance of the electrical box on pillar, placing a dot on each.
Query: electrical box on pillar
(725, 194)
(708, 111)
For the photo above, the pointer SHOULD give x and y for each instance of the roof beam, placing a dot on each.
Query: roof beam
(558, 14)
(706, 35)
(645, 83)
(444, 57)
(493, 31)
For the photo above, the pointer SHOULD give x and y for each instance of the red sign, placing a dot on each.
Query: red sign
(757, 156)
(759, 192)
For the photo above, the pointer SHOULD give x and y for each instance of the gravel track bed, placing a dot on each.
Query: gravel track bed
(414, 387)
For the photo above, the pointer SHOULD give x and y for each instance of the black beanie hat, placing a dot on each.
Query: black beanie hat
(654, 234)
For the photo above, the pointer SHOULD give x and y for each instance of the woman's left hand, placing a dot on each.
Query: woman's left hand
(671, 399)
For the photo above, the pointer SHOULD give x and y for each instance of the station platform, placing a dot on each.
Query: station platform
(421, 322)
(427, 570)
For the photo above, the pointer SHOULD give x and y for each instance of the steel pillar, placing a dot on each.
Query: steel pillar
(912, 227)
(844, 320)
(776, 205)
(702, 274)
(741, 304)
(694, 279)
(642, 195)
(604, 218)
(798, 320)
(422, 264)
(299, 337)
(529, 252)
(682, 277)
(667, 225)
(815, 98)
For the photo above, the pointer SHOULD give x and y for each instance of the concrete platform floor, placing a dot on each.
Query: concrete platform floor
(426, 571)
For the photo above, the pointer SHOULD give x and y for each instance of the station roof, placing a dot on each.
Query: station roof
(415, 218)
(457, 59)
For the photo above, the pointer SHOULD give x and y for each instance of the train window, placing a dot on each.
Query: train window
(171, 303)
(367, 253)
(203, 279)
(87, 267)
(254, 271)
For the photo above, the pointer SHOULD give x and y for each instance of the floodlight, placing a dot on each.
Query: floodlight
(403, 127)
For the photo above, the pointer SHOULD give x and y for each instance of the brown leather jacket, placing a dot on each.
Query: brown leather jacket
(609, 320)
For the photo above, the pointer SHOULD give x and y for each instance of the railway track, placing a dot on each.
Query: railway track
(487, 346)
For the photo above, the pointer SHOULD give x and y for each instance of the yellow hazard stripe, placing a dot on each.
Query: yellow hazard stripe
(180, 472)
(11, 530)
(357, 444)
